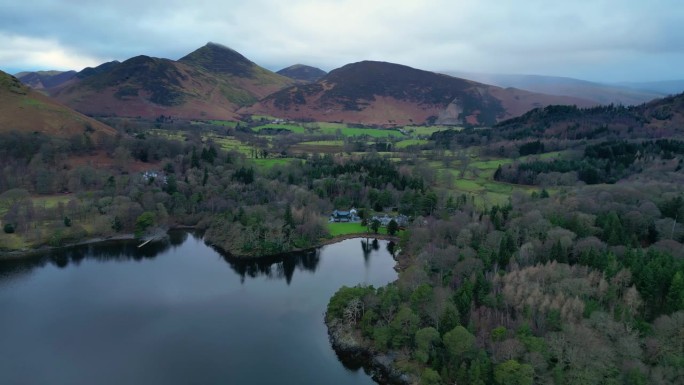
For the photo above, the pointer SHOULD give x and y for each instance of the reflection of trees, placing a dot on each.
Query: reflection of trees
(108, 251)
(391, 247)
(277, 267)
(366, 248)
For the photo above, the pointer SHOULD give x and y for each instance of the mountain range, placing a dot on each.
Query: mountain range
(603, 93)
(216, 82)
(381, 93)
(212, 82)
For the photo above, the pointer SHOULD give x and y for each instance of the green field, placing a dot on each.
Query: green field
(269, 163)
(346, 228)
(336, 128)
(410, 142)
(168, 134)
(231, 144)
(51, 201)
(223, 123)
(425, 131)
(332, 143)
(318, 147)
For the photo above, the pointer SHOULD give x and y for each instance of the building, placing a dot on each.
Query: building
(344, 216)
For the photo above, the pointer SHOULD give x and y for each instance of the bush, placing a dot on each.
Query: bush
(144, 221)
(9, 228)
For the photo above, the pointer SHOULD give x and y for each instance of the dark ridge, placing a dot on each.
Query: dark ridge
(159, 77)
(48, 79)
(358, 83)
(219, 59)
(303, 73)
(102, 68)
(658, 118)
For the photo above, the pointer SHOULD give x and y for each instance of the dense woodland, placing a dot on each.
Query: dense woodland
(584, 287)
(150, 183)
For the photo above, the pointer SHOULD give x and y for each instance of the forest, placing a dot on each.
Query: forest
(150, 183)
(533, 293)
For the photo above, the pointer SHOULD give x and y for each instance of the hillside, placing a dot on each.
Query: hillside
(25, 110)
(40, 80)
(209, 83)
(659, 118)
(383, 93)
(563, 86)
(302, 73)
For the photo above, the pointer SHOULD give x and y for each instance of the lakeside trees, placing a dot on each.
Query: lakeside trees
(533, 293)
(246, 210)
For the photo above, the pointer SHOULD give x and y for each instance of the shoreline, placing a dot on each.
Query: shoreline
(353, 351)
(322, 242)
(20, 254)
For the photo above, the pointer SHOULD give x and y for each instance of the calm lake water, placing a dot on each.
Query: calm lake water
(177, 312)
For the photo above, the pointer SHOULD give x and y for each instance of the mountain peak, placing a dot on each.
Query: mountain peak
(302, 73)
(218, 58)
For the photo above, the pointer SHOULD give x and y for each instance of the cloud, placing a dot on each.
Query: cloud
(35, 53)
(578, 38)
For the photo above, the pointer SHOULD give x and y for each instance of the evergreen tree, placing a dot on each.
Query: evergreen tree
(392, 227)
(675, 295)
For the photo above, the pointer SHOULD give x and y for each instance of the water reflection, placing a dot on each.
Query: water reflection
(277, 267)
(181, 318)
(108, 251)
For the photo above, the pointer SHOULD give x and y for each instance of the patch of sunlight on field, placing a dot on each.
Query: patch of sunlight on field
(410, 142)
(269, 163)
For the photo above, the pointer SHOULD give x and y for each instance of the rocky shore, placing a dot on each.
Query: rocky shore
(354, 352)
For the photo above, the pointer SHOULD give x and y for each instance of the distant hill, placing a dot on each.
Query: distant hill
(381, 93)
(210, 83)
(40, 80)
(660, 118)
(302, 73)
(666, 87)
(25, 110)
(553, 85)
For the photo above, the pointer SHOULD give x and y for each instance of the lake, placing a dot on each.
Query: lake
(178, 312)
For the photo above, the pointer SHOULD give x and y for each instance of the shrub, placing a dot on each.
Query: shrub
(9, 228)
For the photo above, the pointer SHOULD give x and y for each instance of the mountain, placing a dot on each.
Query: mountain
(23, 109)
(302, 73)
(660, 118)
(40, 80)
(554, 85)
(666, 87)
(381, 93)
(210, 83)
(102, 68)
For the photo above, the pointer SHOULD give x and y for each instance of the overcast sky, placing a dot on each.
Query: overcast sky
(600, 40)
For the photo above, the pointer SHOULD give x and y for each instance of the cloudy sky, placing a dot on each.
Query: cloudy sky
(600, 40)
